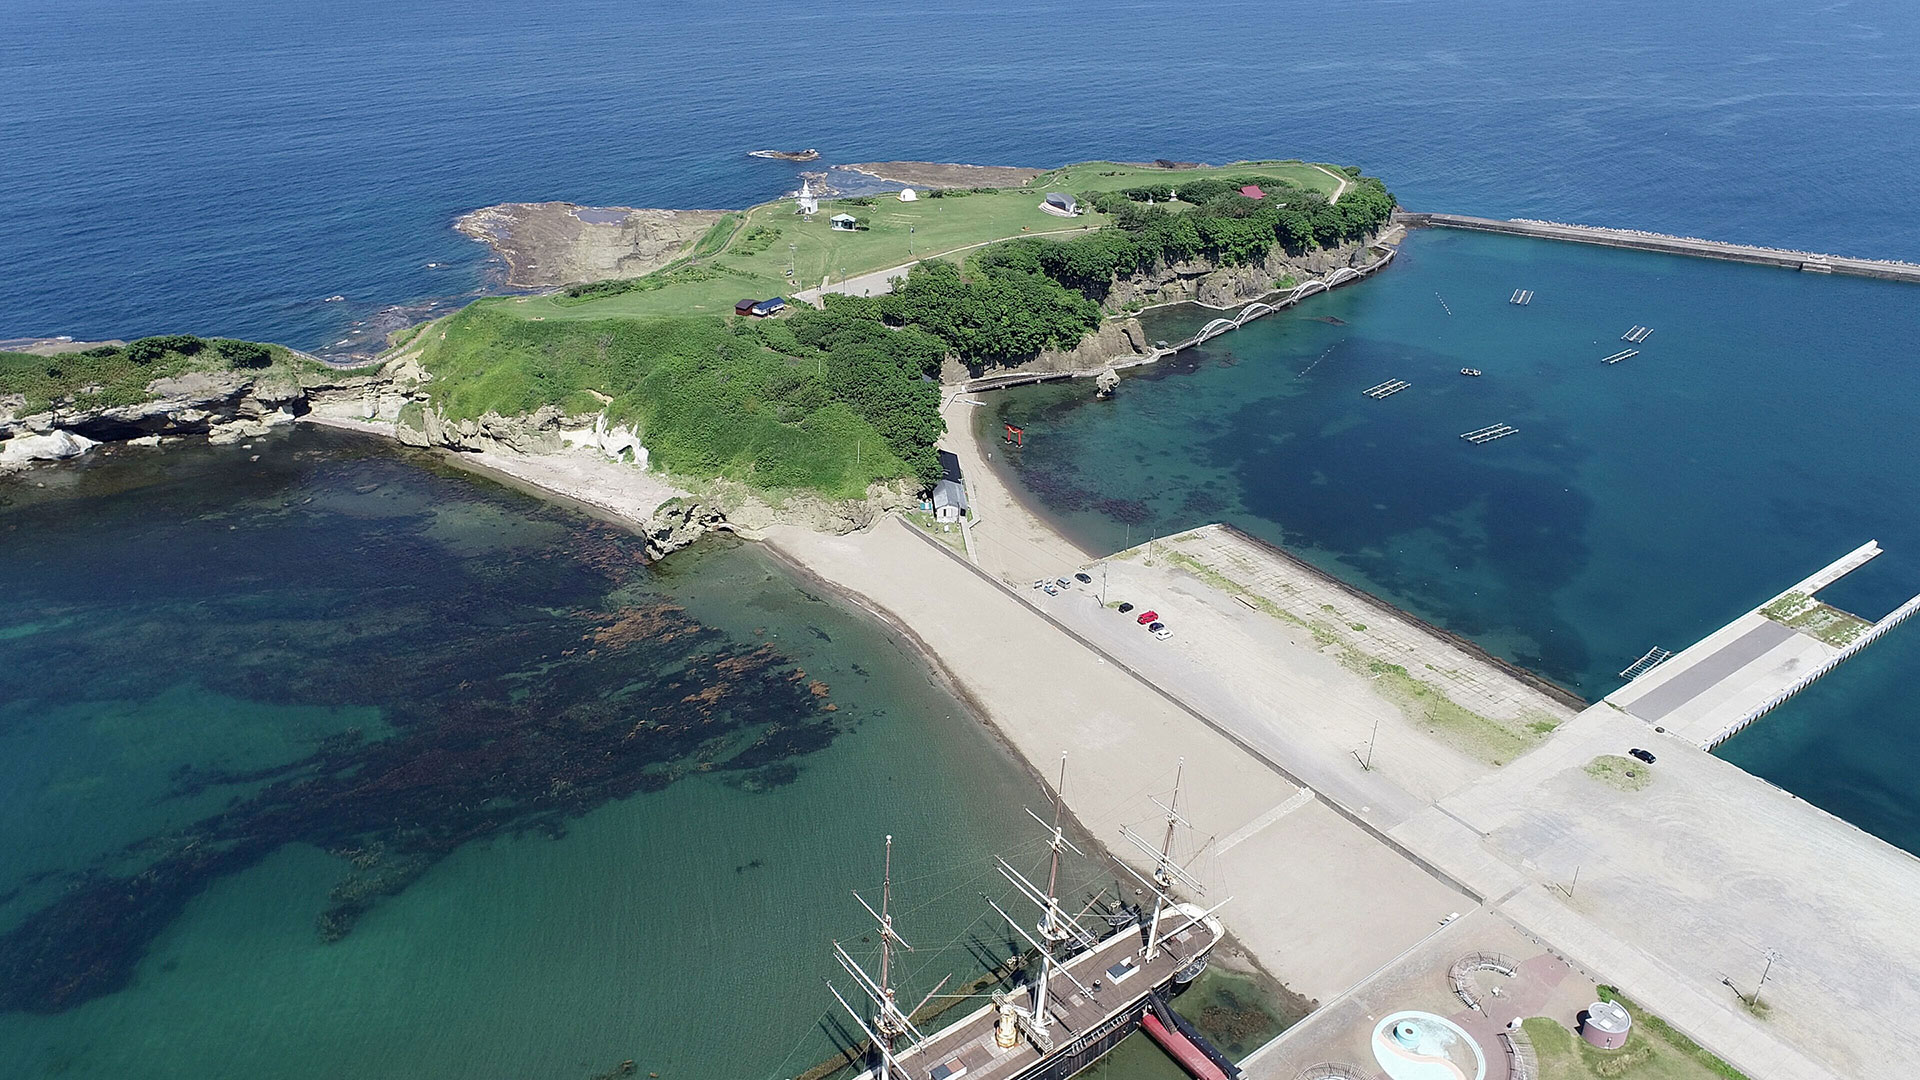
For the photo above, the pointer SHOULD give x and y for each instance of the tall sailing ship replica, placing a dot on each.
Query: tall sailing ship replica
(1085, 992)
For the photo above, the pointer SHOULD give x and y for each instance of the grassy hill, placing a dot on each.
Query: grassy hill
(832, 400)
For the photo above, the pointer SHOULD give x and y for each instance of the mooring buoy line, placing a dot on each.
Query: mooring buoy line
(1443, 302)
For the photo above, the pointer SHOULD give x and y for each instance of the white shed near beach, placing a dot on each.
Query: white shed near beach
(908, 195)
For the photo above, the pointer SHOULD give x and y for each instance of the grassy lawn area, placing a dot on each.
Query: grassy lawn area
(1653, 1052)
(774, 238)
(1112, 176)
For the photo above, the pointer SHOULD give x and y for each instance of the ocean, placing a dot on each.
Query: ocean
(1763, 430)
(220, 167)
(199, 661)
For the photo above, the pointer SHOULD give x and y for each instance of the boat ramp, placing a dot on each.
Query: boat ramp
(1710, 692)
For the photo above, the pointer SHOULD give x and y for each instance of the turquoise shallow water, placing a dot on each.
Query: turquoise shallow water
(194, 650)
(1764, 430)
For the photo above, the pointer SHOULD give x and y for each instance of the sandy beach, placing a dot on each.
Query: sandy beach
(1344, 860)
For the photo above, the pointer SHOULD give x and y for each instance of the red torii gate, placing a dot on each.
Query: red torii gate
(1016, 436)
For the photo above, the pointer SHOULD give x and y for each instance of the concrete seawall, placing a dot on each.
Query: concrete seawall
(1673, 245)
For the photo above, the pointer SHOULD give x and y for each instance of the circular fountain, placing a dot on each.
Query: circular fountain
(1422, 1046)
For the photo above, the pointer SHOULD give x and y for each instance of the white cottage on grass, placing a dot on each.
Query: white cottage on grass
(843, 222)
(949, 501)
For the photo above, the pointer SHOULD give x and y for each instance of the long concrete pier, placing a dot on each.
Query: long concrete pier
(1672, 245)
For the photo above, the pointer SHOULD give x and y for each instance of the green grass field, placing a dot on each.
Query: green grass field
(749, 255)
(1113, 176)
(1653, 1052)
(757, 268)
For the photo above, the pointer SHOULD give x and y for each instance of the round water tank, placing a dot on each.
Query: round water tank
(1606, 1024)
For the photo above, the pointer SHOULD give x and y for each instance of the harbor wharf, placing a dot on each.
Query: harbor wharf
(1713, 690)
(1675, 887)
(1671, 245)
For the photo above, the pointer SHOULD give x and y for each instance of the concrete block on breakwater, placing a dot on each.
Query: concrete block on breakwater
(1636, 240)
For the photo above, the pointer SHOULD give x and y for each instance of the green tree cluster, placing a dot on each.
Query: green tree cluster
(1226, 227)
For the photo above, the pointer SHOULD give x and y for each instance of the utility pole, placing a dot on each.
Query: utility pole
(1367, 762)
(1772, 955)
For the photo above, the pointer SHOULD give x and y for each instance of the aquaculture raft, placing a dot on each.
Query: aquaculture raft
(1489, 433)
(1387, 389)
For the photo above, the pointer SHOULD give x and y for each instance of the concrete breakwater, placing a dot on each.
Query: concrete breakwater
(1672, 245)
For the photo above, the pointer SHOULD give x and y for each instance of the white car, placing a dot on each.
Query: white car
(1163, 633)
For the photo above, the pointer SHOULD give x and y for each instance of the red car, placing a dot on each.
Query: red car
(1148, 616)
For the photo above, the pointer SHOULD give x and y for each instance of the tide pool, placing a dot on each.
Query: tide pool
(1763, 430)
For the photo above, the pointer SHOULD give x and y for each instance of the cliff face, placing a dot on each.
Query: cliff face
(1232, 286)
(221, 407)
(1122, 340)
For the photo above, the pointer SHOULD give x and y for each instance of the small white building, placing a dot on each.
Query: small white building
(908, 195)
(809, 203)
(949, 501)
(843, 222)
(1060, 204)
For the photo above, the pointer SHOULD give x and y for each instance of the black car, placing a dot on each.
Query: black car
(1643, 755)
(1083, 579)
(1126, 608)
(1155, 625)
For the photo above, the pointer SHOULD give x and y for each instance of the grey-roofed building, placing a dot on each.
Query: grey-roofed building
(949, 501)
(1060, 204)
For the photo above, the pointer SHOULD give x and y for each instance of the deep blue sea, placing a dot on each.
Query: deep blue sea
(224, 167)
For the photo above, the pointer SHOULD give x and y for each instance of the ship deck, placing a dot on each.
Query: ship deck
(1115, 973)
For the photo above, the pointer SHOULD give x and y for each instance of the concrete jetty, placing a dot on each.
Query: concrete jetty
(1710, 692)
(1672, 245)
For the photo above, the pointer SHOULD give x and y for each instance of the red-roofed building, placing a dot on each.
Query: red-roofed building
(1252, 191)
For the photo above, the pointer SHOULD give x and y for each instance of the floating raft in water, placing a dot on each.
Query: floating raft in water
(1619, 356)
(1489, 433)
(1638, 334)
(1523, 297)
(1387, 389)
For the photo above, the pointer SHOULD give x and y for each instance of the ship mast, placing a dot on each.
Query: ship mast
(1055, 928)
(889, 1022)
(1166, 869)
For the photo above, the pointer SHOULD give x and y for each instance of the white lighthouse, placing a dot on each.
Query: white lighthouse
(809, 202)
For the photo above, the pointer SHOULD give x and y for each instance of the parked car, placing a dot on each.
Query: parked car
(1040, 583)
(1155, 626)
(1083, 579)
(1062, 583)
(1125, 607)
(1050, 588)
(1163, 633)
(1643, 755)
(1148, 616)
